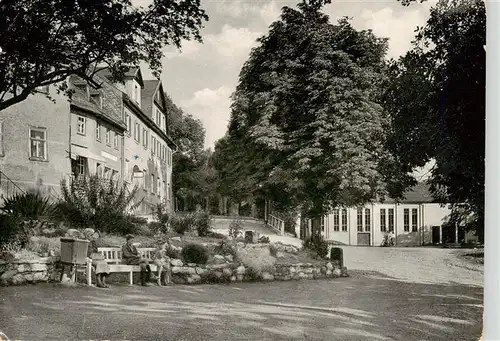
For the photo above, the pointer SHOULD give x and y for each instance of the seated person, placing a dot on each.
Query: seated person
(162, 261)
(131, 256)
(99, 264)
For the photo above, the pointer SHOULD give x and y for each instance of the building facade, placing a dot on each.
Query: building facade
(147, 147)
(118, 131)
(34, 144)
(414, 221)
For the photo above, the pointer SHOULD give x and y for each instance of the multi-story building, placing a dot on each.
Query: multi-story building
(96, 130)
(118, 131)
(34, 143)
(148, 148)
(415, 220)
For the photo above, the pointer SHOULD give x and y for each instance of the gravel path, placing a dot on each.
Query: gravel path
(416, 265)
(413, 265)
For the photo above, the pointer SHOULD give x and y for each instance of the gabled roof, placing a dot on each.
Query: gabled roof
(418, 194)
(133, 72)
(81, 101)
(148, 94)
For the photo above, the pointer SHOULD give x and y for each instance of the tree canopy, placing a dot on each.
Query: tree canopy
(436, 98)
(43, 42)
(305, 122)
(194, 178)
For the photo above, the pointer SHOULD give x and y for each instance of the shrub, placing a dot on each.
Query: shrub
(236, 228)
(264, 240)
(203, 223)
(210, 277)
(225, 248)
(9, 229)
(273, 250)
(252, 275)
(173, 253)
(195, 253)
(157, 227)
(181, 223)
(101, 204)
(32, 206)
(162, 214)
(215, 235)
(317, 244)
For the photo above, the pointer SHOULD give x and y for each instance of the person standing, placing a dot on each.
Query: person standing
(131, 256)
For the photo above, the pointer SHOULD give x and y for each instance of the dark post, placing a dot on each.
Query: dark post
(337, 254)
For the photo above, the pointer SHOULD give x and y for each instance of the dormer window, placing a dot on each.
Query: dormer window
(96, 98)
(137, 93)
(83, 88)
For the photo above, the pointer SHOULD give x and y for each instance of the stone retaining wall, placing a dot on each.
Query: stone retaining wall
(23, 271)
(232, 272)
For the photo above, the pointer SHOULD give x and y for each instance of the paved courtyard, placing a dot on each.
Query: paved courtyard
(355, 308)
(410, 294)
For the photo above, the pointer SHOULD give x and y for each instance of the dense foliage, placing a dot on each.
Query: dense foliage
(436, 97)
(194, 177)
(101, 204)
(31, 206)
(306, 128)
(44, 42)
(317, 244)
(195, 253)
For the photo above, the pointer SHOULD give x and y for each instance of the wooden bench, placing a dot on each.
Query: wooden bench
(113, 256)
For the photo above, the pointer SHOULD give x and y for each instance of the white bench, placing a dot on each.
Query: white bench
(113, 256)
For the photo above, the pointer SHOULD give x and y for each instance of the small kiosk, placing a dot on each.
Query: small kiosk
(73, 253)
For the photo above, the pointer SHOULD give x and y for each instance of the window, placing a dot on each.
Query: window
(82, 166)
(98, 132)
(98, 169)
(391, 219)
(128, 122)
(44, 89)
(1, 138)
(137, 94)
(157, 116)
(383, 227)
(344, 219)
(97, 99)
(108, 137)
(137, 131)
(406, 220)
(322, 223)
(80, 125)
(336, 220)
(360, 220)
(116, 140)
(153, 145)
(158, 186)
(38, 143)
(145, 138)
(158, 148)
(168, 191)
(367, 220)
(164, 123)
(114, 175)
(107, 172)
(152, 183)
(414, 215)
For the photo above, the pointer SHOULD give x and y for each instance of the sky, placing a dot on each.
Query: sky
(201, 77)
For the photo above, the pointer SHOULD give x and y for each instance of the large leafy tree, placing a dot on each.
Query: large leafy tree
(193, 176)
(44, 41)
(305, 121)
(436, 96)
